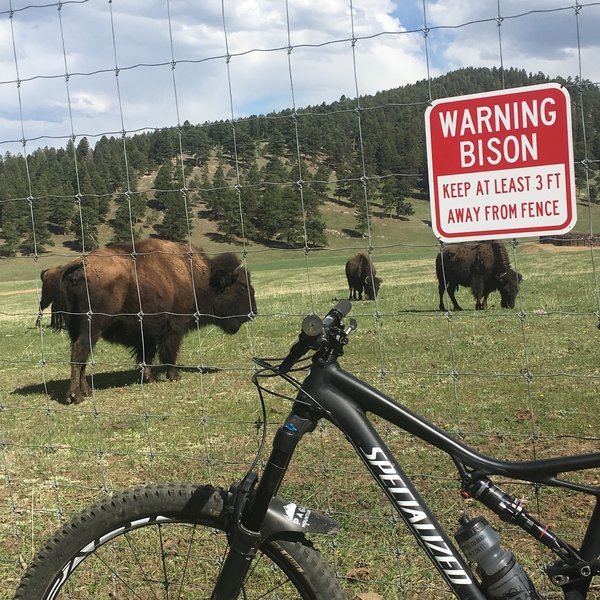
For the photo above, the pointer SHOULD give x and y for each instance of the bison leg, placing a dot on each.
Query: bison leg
(442, 289)
(477, 287)
(75, 393)
(145, 356)
(147, 375)
(79, 387)
(451, 290)
(447, 286)
(481, 303)
(167, 351)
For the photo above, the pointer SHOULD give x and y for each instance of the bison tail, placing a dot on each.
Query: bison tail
(57, 321)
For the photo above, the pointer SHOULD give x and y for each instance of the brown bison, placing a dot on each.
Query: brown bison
(360, 273)
(482, 266)
(147, 300)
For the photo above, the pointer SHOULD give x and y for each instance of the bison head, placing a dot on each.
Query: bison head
(508, 286)
(372, 290)
(233, 300)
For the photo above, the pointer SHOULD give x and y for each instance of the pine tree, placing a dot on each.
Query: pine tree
(85, 225)
(195, 142)
(224, 205)
(138, 153)
(362, 218)
(164, 185)
(276, 145)
(16, 213)
(10, 230)
(131, 209)
(162, 146)
(250, 198)
(342, 190)
(177, 215)
(269, 214)
(291, 228)
(394, 196)
(315, 230)
(37, 237)
(177, 221)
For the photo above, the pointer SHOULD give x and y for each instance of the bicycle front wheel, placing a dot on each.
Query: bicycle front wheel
(166, 541)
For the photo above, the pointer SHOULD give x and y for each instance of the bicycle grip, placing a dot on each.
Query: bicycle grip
(312, 329)
(311, 335)
(337, 313)
(312, 326)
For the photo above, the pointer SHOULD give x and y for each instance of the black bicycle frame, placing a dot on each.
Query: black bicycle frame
(344, 400)
(334, 394)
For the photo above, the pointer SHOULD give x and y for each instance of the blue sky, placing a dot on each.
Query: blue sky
(58, 68)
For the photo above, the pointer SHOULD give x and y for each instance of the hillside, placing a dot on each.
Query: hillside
(269, 181)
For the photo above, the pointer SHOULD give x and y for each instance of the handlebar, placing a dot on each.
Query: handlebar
(314, 333)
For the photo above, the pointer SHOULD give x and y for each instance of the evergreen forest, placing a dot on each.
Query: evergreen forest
(261, 178)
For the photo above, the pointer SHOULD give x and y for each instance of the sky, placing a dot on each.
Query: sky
(99, 67)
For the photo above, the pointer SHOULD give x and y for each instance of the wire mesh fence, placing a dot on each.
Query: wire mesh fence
(516, 383)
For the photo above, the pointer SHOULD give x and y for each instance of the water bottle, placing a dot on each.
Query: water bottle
(502, 576)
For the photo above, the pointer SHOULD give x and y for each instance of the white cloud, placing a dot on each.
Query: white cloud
(538, 36)
(121, 73)
(87, 103)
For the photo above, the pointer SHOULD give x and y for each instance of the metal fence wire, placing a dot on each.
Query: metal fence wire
(518, 383)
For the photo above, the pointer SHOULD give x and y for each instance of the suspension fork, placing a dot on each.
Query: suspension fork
(250, 507)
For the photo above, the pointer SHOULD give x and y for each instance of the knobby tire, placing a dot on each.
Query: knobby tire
(166, 541)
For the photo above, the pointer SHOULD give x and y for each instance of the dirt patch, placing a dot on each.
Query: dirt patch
(529, 249)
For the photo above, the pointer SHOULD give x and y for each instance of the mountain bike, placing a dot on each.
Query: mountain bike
(198, 541)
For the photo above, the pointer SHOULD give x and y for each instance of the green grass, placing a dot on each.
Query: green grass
(56, 459)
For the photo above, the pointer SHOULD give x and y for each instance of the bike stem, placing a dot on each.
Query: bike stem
(249, 509)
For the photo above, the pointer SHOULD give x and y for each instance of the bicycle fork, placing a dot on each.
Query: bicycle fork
(258, 514)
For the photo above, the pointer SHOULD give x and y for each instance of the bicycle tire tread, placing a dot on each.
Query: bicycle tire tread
(203, 505)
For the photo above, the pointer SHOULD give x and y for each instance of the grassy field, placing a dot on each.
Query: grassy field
(517, 384)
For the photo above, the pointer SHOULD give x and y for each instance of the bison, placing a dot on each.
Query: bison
(482, 266)
(360, 273)
(147, 298)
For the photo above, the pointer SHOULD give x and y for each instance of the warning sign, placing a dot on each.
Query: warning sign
(501, 164)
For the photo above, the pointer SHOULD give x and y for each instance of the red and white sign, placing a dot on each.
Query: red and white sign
(501, 164)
